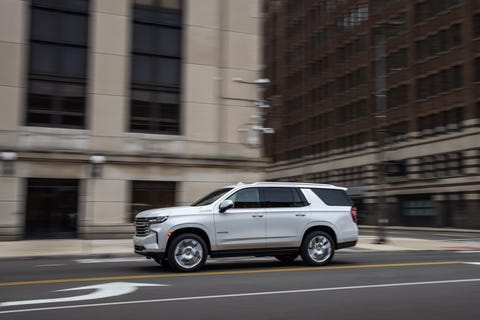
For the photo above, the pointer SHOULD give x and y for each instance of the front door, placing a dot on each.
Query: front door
(243, 226)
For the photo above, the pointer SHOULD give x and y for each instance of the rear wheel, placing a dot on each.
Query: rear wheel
(187, 252)
(318, 248)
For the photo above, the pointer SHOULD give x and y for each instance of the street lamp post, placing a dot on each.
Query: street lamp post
(381, 120)
(381, 123)
(252, 129)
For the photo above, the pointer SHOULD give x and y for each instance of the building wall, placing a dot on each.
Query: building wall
(330, 126)
(221, 40)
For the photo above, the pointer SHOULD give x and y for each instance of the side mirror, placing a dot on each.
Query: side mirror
(225, 205)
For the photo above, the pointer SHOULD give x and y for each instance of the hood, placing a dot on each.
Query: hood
(171, 211)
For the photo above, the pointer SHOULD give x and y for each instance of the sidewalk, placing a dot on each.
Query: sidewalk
(122, 247)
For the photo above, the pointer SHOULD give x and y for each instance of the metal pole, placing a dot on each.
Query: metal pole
(381, 117)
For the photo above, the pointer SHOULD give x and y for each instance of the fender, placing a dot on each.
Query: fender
(199, 226)
(320, 223)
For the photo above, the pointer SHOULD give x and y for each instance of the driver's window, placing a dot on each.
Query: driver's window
(246, 198)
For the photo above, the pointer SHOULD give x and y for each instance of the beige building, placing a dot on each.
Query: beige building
(109, 107)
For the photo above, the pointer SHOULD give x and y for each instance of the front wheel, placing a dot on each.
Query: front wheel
(187, 253)
(317, 248)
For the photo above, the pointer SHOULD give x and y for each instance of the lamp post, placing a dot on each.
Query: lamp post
(253, 129)
(381, 122)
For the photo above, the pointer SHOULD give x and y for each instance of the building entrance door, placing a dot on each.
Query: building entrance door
(52, 207)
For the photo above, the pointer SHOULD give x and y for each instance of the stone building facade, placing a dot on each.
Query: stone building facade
(109, 107)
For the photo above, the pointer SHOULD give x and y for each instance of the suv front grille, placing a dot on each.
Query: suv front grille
(141, 227)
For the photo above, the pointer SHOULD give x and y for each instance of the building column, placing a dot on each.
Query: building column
(13, 50)
(106, 198)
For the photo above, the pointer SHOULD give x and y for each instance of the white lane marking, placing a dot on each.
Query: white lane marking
(51, 265)
(110, 260)
(237, 295)
(474, 263)
(104, 290)
(468, 251)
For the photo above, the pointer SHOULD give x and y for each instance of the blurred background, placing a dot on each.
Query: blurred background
(110, 107)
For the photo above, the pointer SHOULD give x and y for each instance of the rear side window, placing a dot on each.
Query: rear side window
(283, 198)
(333, 197)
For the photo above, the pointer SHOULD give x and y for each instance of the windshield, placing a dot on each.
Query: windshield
(209, 199)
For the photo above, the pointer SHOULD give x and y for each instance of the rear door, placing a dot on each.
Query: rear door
(287, 215)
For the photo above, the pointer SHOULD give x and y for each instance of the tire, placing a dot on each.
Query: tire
(187, 253)
(318, 248)
(287, 257)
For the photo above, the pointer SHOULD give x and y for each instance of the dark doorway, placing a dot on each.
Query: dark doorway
(52, 206)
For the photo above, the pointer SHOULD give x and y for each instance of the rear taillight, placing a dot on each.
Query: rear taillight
(353, 213)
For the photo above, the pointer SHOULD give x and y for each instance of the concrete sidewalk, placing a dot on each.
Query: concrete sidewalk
(122, 247)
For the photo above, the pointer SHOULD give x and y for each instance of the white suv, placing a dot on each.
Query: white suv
(259, 219)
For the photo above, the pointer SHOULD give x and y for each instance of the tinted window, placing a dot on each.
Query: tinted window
(283, 198)
(210, 198)
(246, 198)
(333, 197)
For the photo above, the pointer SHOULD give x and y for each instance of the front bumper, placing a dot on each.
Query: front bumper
(149, 254)
(149, 246)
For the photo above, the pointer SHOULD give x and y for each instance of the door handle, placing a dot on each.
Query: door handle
(300, 214)
(257, 215)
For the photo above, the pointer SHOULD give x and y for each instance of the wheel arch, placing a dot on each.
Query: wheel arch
(323, 228)
(198, 231)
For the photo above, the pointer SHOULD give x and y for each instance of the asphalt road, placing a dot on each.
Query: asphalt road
(357, 285)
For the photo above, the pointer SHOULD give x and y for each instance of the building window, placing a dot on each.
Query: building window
(456, 30)
(476, 25)
(457, 77)
(156, 67)
(57, 63)
(441, 82)
(418, 207)
(430, 8)
(397, 96)
(439, 42)
(150, 195)
(476, 68)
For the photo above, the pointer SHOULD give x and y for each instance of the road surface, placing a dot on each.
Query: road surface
(357, 285)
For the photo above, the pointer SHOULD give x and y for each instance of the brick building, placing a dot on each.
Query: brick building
(362, 82)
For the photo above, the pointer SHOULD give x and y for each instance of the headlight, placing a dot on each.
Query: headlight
(157, 219)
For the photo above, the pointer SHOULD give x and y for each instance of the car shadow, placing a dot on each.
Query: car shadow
(232, 265)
